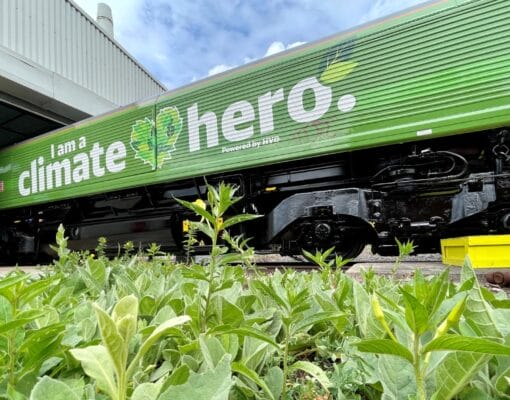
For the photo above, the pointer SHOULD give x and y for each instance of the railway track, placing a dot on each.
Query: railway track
(429, 264)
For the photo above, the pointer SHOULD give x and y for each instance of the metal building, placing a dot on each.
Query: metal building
(58, 65)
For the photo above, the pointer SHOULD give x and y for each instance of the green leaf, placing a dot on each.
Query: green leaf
(385, 346)
(242, 369)
(368, 325)
(125, 317)
(270, 292)
(97, 271)
(8, 283)
(312, 370)
(197, 209)
(160, 331)
(455, 371)
(211, 349)
(214, 384)
(230, 313)
(147, 391)
(98, 365)
(245, 331)
(416, 315)
(335, 318)
(34, 289)
(239, 219)
(467, 344)
(501, 380)
(19, 322)
(396, 377)
(48, 388)
(478, 312)
(39, 345)
(274, 381)
(147, 305)
(437, 292)
(179, 376)
(112, 340)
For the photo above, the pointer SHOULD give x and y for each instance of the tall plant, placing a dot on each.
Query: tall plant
(214, 223)
(431, 349)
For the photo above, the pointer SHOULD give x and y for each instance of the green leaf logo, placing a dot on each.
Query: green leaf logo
(336, 64)
(168, 129)
(156, 149)
(142, 141)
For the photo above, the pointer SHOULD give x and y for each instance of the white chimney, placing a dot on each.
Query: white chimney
(104, 18)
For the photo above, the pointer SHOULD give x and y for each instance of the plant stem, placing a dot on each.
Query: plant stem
(212, 268)
(122, 387)
(285, 362)
(418, 372)
(11, 346)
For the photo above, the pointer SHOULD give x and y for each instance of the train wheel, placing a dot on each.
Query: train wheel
(350, 249)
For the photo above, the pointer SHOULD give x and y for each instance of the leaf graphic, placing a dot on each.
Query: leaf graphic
(168, 129)
(336, 64)
(142, 141)
(337, 70)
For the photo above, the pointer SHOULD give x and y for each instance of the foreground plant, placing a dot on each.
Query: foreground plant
(250, 336)
(433, 350)
(107, 363)
(214, 224)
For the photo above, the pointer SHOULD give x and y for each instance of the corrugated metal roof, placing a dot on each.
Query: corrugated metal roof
(59, 36)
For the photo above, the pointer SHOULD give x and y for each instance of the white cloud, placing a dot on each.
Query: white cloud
(277, 47)
(218, 69)
(274, 48)
(178, 41)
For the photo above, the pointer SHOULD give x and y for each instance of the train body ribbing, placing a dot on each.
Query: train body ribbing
(392, 130)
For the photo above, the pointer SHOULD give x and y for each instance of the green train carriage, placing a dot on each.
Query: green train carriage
(396, 129)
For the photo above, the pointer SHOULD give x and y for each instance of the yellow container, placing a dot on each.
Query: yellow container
(489, 251)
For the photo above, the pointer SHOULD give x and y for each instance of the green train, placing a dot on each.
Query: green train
(395, 129)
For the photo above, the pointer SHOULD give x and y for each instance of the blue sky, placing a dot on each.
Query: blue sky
(180, 41)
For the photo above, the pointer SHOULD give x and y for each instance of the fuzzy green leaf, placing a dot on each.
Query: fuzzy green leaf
(245, 331)
(160, 331)
(385, 346)
(416, 315)
(274, 381)
(213, 384)
(147, 391)
(242, 369)
(467, 344)
(112, 340)
(125, 316)
(478, 312)
(397, 378)
(48, 388)
(455, 371)
(313, 370)
(98, 365)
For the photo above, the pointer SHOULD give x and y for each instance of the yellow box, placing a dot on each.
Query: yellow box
(489, 251)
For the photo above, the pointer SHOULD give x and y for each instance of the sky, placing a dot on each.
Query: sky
(181, 41)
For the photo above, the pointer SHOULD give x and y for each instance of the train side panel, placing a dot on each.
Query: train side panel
(444, 70)
(444, 73)
(94, 156)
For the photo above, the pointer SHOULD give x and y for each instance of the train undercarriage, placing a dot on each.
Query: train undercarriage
(420, 191)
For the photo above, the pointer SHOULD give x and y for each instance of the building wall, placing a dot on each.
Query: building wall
(59, 37)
